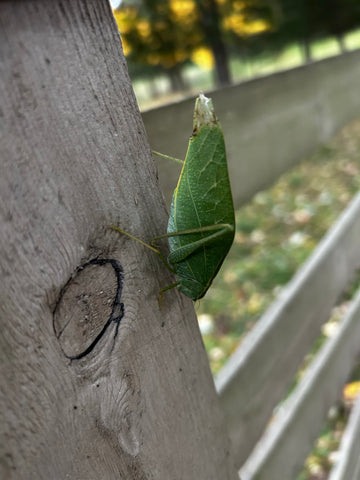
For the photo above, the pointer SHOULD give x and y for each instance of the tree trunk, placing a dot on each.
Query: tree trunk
(210, 21)
(177, 81)
(306, 47)
(97, 382)
(341, 42)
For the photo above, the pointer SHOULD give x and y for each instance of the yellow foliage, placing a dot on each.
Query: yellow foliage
(143, 28)
(351, 390)
(126, 46)
(124, 18)
(238, 5)
(238, 23)
(203, 57)
(255, 303)
(184, 10)
(153, 58)
(167, 60)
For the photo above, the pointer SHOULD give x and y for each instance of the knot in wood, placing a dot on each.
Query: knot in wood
(87, 305)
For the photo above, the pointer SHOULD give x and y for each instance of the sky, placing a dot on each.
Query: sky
(115, 3)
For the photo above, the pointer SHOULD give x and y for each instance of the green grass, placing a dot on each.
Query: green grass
(352, 40)
(290, 57)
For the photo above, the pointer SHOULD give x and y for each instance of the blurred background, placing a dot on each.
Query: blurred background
(293, 142)
(185, 46)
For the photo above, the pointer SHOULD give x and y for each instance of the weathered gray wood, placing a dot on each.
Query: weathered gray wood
(258, 374)
(348, 464)
(269, 123)
(89, 390)
(294, 428)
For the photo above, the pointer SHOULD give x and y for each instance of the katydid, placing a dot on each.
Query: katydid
(201, 226)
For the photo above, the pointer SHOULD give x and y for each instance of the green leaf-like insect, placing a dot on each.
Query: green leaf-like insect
(201, 226)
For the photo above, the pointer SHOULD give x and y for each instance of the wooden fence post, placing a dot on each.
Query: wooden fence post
(97, 382)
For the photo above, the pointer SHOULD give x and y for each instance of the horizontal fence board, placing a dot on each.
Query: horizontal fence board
(293, 430)
(348, 465)
(270, 123)
(258, 374)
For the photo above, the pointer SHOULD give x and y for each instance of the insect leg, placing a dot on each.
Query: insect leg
(184, 251)
(168, 287)
(167, 157)
(161, 256)
(207, 228)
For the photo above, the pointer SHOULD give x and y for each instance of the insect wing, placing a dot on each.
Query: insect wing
(202, 198)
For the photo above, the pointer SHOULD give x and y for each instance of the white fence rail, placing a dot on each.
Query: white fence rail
(259, 373)
(348, 466)
(297, 423)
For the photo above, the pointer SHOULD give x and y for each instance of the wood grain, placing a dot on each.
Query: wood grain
(140, 402)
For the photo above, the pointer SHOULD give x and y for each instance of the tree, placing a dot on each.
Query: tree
(169, 32)
(333, 18)
(97, 382)
(305, 20)
(210, 21)
(159, 34)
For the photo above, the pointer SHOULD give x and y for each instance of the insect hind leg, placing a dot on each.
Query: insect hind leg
(168, 287)
(184, 251)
